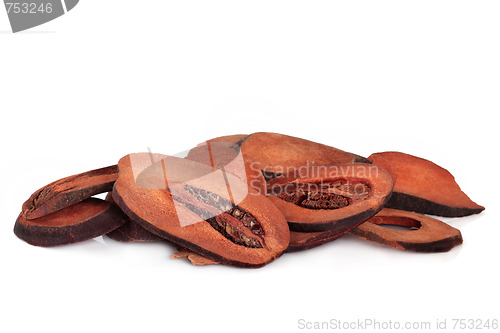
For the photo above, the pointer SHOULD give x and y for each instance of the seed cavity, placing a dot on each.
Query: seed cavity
(234, 223)
(323, 195)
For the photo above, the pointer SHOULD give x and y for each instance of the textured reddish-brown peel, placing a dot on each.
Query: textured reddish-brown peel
(79, 222)
(130, 231)
(424, 187)
(426, 234)
(277, 153)
(337, 220)
(67, 191)
(156, 211)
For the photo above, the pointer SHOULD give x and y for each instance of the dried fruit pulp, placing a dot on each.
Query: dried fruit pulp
(333, 198)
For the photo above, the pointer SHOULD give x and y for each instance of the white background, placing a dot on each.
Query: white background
(115, 77)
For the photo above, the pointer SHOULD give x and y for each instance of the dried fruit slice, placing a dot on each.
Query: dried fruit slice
(336, 198)
(307, 240)
(67, 191)
(424, 233)
(424, 187)
(79, 222)
(278, 154)
(235, 138)
(208, 212)
(130, 231)
(194, 258)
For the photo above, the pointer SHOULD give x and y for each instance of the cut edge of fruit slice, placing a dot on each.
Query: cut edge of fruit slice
(69, 190)
(79, 222)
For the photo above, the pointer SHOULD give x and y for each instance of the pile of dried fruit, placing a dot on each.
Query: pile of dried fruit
(244, 200)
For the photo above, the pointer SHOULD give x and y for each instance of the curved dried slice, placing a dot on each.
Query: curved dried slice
(278, 154)
(424, 187)
(67, 191)
(79, 222)
(210, 213)
(194, 258)
(307, 240)
(424, 233)
(235, 138)
(336, 198)
(130, 231)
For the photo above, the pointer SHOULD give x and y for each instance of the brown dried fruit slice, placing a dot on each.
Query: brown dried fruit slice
(278, 154)
(424, 233)
(307, 240)
(79, 222)
(235, 138)
(67, 191)
(336, 198)
(424, 187)
(130, 231)
(187, 203)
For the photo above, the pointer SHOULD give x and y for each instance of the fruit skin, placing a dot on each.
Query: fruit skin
(155, 210)
(79, 222)
(431, 235)
(339, 220)
(424, 187)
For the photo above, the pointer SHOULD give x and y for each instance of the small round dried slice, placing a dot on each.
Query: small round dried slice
(67, 191)
(424, 234)
(336, 198)
(79, 222)
(130, 231)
